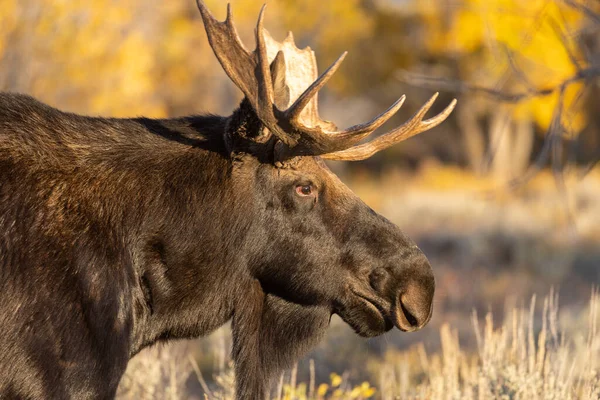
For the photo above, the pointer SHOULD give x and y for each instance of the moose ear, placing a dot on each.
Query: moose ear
(281, 92)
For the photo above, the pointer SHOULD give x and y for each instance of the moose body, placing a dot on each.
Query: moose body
(102, 220)
(120, 233)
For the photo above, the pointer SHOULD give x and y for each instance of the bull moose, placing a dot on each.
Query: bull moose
(120, 233)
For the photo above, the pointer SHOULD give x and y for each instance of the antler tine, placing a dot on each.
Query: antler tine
(376, 122)
(409, 129)
(293, 113)
(264, 106)
(228, 47)
(438, 119)
(317, 141)
(229, 18)
(264, 75)
(206, 15)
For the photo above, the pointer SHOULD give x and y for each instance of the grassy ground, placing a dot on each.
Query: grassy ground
(548, 355)
(491, 250)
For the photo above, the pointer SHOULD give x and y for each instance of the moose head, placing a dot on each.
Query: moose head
(319, 243)
(315, 244)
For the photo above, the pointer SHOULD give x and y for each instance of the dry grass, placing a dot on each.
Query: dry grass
(544, 355)
(517, 360)
(160, 372)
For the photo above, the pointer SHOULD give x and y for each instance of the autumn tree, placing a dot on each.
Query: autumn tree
(522, 67)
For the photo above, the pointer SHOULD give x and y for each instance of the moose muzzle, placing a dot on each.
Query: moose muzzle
(414, 302)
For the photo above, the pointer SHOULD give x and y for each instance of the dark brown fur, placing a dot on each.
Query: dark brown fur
(119, 233)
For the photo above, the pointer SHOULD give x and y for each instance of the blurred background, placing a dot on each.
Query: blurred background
(502, 197)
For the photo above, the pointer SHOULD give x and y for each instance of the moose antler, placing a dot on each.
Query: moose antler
(251, 72)
(412, 127)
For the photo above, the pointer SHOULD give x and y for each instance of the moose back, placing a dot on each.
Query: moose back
(120, 233)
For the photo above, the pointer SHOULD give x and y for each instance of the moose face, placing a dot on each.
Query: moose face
(314, 242)
(322, 245)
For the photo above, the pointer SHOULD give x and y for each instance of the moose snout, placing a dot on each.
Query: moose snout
(414, 304)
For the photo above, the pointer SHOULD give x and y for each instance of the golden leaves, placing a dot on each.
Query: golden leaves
(531, 37)
(125, 58)
(85, 56)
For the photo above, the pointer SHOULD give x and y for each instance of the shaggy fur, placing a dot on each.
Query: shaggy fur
(120, 233)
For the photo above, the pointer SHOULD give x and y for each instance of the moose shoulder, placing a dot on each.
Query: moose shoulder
(119, 233)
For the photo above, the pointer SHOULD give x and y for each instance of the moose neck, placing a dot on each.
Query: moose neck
(186, 221)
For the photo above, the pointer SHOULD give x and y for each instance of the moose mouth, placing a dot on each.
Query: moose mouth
(378, 307)
(388, 314)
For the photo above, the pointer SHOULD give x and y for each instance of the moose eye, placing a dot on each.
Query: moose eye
(304, 190)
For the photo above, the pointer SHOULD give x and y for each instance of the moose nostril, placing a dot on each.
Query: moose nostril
(410, 318)
(413, 309)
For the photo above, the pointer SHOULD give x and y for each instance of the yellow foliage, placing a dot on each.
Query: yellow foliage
(529, 30)
(8, 21)
(322, 390)
(126, 58)
(295, 393)
(84, 56)
(336, 380)
(364, 391)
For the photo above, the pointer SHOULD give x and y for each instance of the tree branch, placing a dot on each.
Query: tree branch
(585, 10)
(457, 86)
